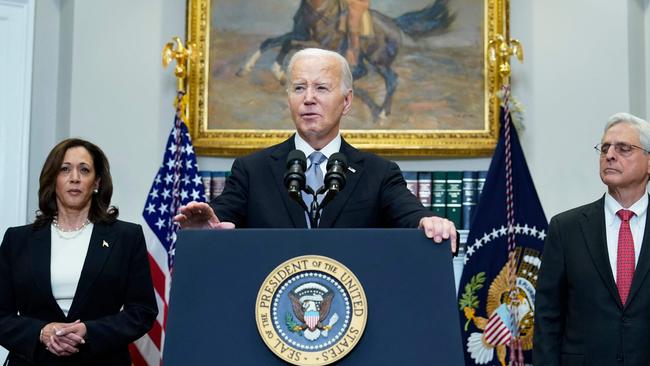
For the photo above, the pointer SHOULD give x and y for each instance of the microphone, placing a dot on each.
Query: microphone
(294, 178)
(335, 177)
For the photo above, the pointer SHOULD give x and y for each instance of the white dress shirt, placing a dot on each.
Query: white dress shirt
(69, 251)
(613, 224)
(333, 147)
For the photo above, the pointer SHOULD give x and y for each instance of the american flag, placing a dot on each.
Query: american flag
(177, 183)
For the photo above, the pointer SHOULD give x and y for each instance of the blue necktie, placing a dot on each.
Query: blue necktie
(314, 174)
(314, 177)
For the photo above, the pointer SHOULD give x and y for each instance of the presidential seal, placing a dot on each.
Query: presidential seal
(311, 310)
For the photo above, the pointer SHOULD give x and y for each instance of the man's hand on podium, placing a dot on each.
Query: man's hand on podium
(439, 229)
(199, 215)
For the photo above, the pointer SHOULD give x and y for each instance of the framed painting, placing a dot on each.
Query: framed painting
(423, 85)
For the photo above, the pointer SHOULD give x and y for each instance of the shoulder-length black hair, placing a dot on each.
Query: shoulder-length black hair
(100, 209)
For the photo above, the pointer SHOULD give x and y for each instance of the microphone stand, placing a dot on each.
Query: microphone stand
(316, 208)
(335, 187)
(313, 212)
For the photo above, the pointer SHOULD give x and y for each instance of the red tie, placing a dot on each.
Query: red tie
(625, 256)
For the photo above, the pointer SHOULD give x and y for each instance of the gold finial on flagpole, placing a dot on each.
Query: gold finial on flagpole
(182, 56)
(500, 46)
(500, 49)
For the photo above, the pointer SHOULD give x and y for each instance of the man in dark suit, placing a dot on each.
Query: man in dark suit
(593, 294)
(320, 94)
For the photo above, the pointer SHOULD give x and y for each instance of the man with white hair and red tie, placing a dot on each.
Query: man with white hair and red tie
(593, 293)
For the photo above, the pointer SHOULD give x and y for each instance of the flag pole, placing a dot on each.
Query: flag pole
(177, 183)
(506, 331)
(177, 51)
(499, 51)
(516, 351)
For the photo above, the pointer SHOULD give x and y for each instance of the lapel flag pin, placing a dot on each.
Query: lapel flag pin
(104, 244)
(352, 169)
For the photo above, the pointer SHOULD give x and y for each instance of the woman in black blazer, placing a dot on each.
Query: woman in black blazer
(75, 286)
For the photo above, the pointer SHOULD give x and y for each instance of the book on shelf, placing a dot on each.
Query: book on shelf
(411, 179)
(218, 183)
(438, 194)
(424, 188)
(480, 181)
(454, 188)
(206, 179)
(470, 197)
(213, 183)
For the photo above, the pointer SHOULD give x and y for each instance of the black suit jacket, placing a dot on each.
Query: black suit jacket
(112, 277)
(375, 195)
(579, 317)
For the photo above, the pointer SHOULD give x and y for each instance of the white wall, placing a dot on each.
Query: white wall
(17, 35)
(44, 124)
(109, 87)
(120, 96)
(646, 38)
(580, 68)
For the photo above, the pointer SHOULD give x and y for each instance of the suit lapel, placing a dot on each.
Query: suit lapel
(355, 161)
(102, 242)
(277, 165)
(592, 225)
(643, 265)
(40, 244)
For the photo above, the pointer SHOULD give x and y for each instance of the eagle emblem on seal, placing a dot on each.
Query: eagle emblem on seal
(496, 330)
(311, 304)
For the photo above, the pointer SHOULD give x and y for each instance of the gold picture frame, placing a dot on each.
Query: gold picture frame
(209, 138)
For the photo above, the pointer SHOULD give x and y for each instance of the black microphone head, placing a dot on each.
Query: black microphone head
(294, 178)
(297, 157)
(337, 157)
(335, 177)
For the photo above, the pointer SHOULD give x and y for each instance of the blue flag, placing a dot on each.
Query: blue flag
(496, 295)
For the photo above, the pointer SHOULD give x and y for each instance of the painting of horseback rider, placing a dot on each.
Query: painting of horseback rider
(357, 23)
(390, 45)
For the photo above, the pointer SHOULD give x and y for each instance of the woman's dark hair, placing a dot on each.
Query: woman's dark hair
(100, 209)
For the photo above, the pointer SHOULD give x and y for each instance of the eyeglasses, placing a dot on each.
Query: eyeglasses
(621, 148)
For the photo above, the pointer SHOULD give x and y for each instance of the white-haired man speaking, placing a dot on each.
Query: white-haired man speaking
(319, 95)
